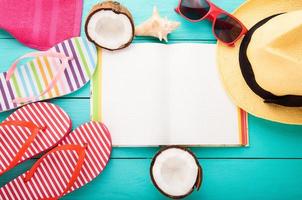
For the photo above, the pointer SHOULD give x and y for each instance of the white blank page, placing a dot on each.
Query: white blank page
(156, 94)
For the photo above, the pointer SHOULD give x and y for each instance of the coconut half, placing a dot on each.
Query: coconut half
(175, 172)
(110, 25)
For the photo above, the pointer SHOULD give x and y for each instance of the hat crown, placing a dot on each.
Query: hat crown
(287, 42)
(275, 53)
(251, 13)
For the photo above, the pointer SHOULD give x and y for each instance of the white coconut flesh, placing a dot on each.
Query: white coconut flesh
(175, 171)
(109, 29)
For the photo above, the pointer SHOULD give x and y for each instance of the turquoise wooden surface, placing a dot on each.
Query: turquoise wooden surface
(269, 169)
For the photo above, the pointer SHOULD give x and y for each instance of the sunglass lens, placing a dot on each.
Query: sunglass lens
(227, 28)
(194, 9)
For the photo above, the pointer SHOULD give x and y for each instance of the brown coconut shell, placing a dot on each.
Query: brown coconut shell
(117, 8)
(199, 177)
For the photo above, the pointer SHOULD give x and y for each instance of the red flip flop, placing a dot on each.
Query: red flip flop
(29, 131)
(77, 160)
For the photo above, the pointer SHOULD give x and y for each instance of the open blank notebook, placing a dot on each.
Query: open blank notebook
(155, 94)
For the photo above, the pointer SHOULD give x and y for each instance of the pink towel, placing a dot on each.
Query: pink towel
(41, 24)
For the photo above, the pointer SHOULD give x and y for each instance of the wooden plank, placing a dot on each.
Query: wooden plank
(188, 32)
(4, 34)
(142, 9)
(267, 139)
(223, 179)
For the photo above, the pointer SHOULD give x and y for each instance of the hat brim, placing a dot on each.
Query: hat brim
(250, 13)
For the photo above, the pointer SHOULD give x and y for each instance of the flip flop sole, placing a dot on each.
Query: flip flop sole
(53, 118)
(51, 177)
(32, 78)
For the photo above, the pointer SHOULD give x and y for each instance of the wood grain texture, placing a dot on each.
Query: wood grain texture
(269, 169)
(267, 140)
(223, 179)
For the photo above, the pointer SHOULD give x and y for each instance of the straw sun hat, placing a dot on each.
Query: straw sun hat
(263, 72)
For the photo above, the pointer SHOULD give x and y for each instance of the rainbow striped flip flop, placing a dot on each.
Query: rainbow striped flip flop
(59, 71)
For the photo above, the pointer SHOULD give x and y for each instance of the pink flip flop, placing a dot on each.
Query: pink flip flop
(41, 24)
(29, 131)
(77, 160)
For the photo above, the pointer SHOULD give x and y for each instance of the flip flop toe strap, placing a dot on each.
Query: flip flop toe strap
(64, 64)
(34, 129)
(80, 150)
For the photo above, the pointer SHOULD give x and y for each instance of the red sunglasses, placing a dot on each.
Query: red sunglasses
(226, 28)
